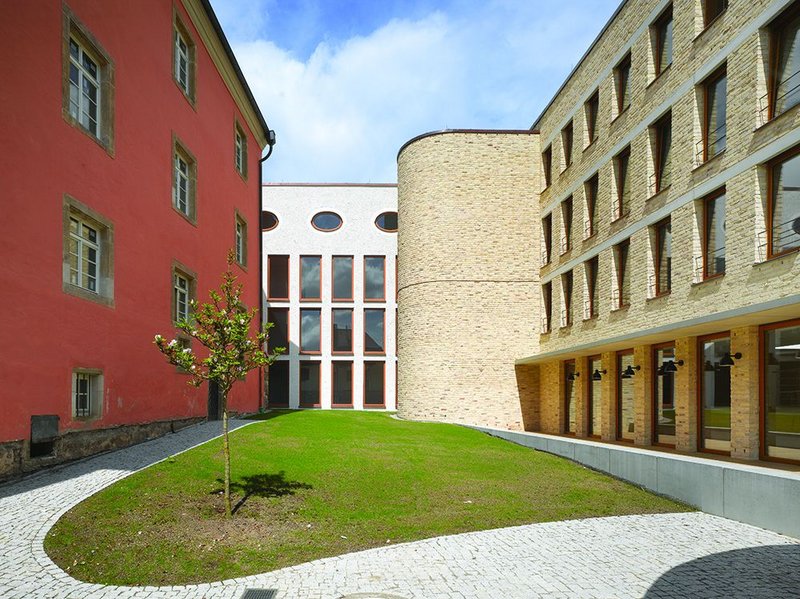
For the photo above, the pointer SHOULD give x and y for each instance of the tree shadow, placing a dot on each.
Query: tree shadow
(766, 572)
(261, 485)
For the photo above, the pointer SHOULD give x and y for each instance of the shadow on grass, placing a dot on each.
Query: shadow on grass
(262, 485)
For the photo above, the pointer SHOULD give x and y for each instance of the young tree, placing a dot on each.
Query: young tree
(222, 326)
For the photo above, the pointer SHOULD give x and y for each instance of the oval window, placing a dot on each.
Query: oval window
(387, 222)
(326, 221)
(268, 221)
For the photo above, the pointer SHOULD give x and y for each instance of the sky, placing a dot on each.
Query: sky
(346, 84)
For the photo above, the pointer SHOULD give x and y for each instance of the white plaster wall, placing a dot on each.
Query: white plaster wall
(359, 206)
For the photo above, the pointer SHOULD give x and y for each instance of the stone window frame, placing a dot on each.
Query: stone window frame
(73, 28)
(96, 393)
(104, 295)
(239, 161)
(179, 269)
(179, 28)
(180, 149)
(240, 239)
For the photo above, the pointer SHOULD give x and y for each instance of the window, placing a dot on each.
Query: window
(715, 91)
(184, 62)
(547, 301)
(712, 9)
(622, 79)
(591, 108)
(374, 395)
(714, 234)
(184, 179)
(661, 138)
(279, 333)
(592, 303)
(590, 189)
(625, 397)
(387, 221)
(622, 290)
(342, 387)
(310, 278)
(566, 225)
(310, 389)
(342, 332)
(715, 393)
(88, 237)
(780, 397)
(374, 279)
(566, 143)
(309, 330)
(373, 331)
(783, 208)
(570, 398)
(547, 165)
(784, 77)
(240, 150)
(268, 220)
(240, 240)
(566, 292)
(662, 257)
(595, 419)
(664, 394)
(342, 278)
(662, 36)
(87, 393)
(547, 237)
(278, 384)
(183, 292)
(88, 84)
(326, 221)
(278, 277)
(623, 198)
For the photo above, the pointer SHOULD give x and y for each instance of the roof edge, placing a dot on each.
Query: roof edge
(530, 131)
(329, 184)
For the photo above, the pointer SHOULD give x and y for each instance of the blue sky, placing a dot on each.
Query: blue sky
(345, 84)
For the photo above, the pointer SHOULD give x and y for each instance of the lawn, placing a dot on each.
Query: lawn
(316, 484)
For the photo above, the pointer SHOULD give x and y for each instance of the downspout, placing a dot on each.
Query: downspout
(261, 312)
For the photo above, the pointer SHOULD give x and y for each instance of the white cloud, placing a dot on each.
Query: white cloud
(342, 114)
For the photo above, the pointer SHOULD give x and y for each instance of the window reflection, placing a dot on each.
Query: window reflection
(715, 395)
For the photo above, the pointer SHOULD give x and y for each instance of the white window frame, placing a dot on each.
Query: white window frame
(239, 152)
(182, 184)
(82, 247)
(240, 241)
(182, 63)
(181, 288)
(87, 402)
(79, 102)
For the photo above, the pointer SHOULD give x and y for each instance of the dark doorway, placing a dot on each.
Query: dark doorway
(214, 407)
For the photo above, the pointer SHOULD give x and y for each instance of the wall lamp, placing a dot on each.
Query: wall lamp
(728, 359)
(671, 366)
(573, 375)
(629, 372)
(597, 375)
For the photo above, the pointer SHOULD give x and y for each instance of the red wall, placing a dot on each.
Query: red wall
(44, 332)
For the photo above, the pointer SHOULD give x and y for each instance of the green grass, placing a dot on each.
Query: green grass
(322, 484)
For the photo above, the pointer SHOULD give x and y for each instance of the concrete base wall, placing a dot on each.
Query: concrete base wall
(15, 455)
(754, 495)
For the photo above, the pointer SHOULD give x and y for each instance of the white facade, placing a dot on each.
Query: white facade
(294, 206)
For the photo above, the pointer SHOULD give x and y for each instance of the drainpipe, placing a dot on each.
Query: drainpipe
(261, 315)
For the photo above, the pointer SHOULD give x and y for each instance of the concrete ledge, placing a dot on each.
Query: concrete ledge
(752, 494)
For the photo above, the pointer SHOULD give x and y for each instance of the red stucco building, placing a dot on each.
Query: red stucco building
(130, 167)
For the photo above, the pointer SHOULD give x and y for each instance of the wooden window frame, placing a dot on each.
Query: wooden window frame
(659, 27)
(592, 268)
(288, 367)
(654, 407)
(334, 351)
(547, 235)
(288, 277)
(591, 188)
(382, 298)
(714, 195)
(708, 21)
(719, 74)
(547, 165)
(776, 28)
(382, 352)
(372, 406)
(179, 28)
(699, 390)
(660, 229)
(95, 391)
(240, 153)
(179, 270)
(565, 399)
(568, 291)
(547, 304)
(592, 109)
(659, 131)
(318, 297)
(181, 151)
(621, 271)
(104, 288)
(622, 209)
(568, 143)
(310, 352)
(300, 384)
(334, 297)
(622, 83)
(270, 343)
(618, 398)
(335, 405)
(567, 218)
(240, 222)
(590, 383)
(780, 159)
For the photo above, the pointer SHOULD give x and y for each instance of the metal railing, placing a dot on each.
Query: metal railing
(545, 324)
(566, 317)
(785, 236)
(588, 228)
(786, 95)
(716, 144)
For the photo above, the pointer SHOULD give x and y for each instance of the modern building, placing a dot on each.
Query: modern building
(130, 168)
(329, 282)
(627, 269)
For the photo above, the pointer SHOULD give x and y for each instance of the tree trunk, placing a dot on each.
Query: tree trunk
(226, 450)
